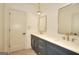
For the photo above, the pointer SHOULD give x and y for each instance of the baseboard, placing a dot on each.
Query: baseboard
(4, 53)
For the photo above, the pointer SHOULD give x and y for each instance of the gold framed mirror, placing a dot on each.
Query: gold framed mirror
(42, 24)
(68, 19)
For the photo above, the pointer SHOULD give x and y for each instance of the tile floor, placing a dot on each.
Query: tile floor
(24, 52)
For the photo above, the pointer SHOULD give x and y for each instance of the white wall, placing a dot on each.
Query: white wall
(51, 10)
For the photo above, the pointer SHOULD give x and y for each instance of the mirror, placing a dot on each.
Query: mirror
(68, 19)
(42, 24)
(75, 23)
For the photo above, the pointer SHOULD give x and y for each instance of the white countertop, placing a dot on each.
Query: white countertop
(73, 46)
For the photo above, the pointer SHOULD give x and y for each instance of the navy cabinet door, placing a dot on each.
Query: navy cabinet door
(36, 45)
(52, 50)
(33, 42)
(42, 47)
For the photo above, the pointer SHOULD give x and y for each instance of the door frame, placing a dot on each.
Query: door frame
(9, 12)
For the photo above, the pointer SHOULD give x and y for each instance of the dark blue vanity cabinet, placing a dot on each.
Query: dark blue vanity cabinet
(43, 47)
(32, 42)
(53, 49)
(35, 43)
(38, 45)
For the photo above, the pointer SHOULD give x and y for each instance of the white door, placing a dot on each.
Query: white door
(17, 30)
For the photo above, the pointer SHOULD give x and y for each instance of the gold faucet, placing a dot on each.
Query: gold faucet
(67, 34)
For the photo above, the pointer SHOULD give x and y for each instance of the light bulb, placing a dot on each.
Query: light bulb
(38, 12)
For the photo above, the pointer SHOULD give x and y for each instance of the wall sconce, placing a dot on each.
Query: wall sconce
(38, 12)
(42, 21)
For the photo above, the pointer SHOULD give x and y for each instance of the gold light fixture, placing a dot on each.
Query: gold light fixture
(38, 12)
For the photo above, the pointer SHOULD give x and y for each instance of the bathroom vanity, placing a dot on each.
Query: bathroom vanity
(49, 46)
